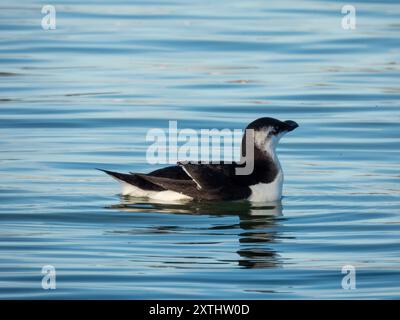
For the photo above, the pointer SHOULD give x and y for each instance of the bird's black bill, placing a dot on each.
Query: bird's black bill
(291, 125)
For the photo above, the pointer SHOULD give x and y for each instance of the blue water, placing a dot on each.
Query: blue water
(84, 96)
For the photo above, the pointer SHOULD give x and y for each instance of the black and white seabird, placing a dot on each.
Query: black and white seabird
(198, 181)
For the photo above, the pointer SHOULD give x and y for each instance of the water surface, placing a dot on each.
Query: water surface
(84, 96)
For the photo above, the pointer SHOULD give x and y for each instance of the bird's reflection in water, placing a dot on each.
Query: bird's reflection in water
(257, 224)
(258, 232)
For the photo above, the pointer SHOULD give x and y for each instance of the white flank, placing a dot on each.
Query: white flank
(166, 195)
(169, 195)
(131, 190)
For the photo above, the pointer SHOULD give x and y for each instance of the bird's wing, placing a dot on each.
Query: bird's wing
(207, 176)
(187, 187)
(172, 172)
(216, 181)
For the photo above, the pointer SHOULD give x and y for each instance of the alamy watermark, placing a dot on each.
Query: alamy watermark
(207, 146)
(349, 20)
(49, 277)
(349, 280)
(49, 20)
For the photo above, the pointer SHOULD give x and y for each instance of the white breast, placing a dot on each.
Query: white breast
(267, 192)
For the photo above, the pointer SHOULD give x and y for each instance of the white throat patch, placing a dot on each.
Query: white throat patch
(268, 192)
(265, 143)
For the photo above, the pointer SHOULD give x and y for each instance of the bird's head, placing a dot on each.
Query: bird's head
(268, 131)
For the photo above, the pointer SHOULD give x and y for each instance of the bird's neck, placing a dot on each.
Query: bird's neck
(270, 151)
(266, 167)
(266, 163)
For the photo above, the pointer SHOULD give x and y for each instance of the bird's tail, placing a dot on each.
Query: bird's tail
(134, 180)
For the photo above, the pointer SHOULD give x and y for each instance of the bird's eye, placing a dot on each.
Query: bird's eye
(274, 130)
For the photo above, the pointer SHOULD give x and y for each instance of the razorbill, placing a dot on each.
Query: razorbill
(198, 181)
